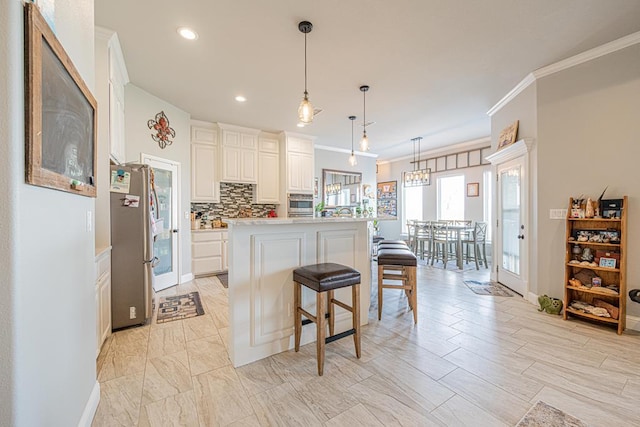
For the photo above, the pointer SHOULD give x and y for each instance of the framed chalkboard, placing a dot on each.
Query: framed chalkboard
(61, 114)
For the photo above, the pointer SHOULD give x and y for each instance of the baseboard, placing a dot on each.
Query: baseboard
(532, 298)
(633, 322)
(91, 407)
(186, 278)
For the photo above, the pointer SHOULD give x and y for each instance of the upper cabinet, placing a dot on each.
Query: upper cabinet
(204, 154)
(118, 79)
(299, 163)
(239, 154)
(268, 188)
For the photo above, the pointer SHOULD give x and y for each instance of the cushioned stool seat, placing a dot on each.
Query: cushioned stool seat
(398, 265)
(392, 242)
(324, 279)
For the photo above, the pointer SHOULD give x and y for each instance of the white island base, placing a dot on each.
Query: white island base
(262, 256)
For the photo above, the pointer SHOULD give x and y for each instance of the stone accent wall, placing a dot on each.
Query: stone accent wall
(233, 198)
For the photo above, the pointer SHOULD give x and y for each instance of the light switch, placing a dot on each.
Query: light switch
(89, 222)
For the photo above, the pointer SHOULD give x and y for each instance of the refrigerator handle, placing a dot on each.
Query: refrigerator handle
(153, 261)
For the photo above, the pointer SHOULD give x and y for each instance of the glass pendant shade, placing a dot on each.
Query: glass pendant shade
(364, 142)
(305, 110)
(352, 159)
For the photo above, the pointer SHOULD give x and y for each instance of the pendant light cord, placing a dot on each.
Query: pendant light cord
(305, 64)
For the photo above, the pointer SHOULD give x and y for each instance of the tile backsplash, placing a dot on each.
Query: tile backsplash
(233, 198)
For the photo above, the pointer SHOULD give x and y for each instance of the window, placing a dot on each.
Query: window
(412, 205)
(451, 197)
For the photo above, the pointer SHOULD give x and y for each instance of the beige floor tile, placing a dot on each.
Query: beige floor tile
(632, 390)
(485, 345)
(259, 376)
(207, 354)
(420, 358)
(119, 401)
(501, 404)
(391, 405)
(357, 416)
(216, 305)
(176, 410)
(457, 411)
(199, 327)
(282, 406)
(326, 396)
(166, 376)
(251, 421)
(503, 374)
(220, 397)
(166, 340)
(562, 355)
(125, 356)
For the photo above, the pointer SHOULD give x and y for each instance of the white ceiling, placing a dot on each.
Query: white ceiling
(434, 66)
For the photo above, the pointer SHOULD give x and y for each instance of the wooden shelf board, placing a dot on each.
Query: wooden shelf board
(596, 219)
(611, 270)
(612, 245)
(591, 316)
(592, 291)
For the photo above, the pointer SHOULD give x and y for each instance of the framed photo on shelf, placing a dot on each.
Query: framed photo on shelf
(508, 135)
(608, 262)
(473, 189)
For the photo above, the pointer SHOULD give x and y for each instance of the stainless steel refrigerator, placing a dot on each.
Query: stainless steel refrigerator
(132, 257)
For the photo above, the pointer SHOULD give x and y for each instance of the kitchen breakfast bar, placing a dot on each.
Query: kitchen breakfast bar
(262, 256)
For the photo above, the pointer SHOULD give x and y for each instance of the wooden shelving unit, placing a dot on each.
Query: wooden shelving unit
(610, 276)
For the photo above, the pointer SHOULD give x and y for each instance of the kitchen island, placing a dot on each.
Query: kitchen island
(263, 252)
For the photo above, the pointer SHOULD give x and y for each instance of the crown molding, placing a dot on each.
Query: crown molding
(344, 150)
(103, 33)
(510, 152)
(565, 64)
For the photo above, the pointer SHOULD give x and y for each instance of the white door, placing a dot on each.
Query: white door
(511, 233)
(166, 195)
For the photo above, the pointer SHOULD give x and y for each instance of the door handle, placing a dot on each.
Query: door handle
(521, 236)
(175, 230)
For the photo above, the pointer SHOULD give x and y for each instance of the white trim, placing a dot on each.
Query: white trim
(288, 134)
(513, 151)
(103, 33)
(241, 129)
(90, 409)
(186, 278)
(633, 322)
(344, 150)
(565, 64)
(114, 44)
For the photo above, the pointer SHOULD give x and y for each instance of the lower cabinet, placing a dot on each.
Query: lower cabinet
(208, 251)
(103, 298)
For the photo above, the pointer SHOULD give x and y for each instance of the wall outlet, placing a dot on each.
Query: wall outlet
(89, 222)
(187, 215)
(557, 213)
(132, 312)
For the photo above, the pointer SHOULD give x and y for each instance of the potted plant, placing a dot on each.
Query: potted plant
(319, 209)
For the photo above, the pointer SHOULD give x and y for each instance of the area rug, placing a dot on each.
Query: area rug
(179, 307)
(224, 279)
(488, 288)
(548, 416)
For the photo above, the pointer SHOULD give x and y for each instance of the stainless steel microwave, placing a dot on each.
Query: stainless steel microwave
(300, 205)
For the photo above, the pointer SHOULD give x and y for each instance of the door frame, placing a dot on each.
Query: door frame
(178, 208)
(518, 150)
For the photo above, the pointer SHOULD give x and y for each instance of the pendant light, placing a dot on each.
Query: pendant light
(364, 142)
(305, 110)
(352, 157)
(417, 176)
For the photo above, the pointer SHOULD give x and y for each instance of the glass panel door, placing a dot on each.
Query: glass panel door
(511, 219)
(165, 196)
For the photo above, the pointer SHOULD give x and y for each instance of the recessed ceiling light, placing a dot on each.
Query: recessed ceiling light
(240, 98)
(187, 33)
(300, 125)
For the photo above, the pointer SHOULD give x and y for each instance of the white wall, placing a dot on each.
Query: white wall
(588, 134)
(47, 252)
(141, 106)
(392, 171)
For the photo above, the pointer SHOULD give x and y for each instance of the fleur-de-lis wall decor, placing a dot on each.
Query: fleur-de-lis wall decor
(161, 126)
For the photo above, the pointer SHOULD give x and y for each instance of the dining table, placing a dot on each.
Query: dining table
(460, 231)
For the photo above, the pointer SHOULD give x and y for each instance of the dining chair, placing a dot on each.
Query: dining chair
(411, 233)
(441, 242)
(423, 239)
(477, 241)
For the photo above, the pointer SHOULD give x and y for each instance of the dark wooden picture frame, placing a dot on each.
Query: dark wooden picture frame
(60, 114)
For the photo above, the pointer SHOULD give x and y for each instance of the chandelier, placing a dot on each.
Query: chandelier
(417, 176)
(333, 189)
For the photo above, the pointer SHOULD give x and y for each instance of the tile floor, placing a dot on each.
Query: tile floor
(471, 361)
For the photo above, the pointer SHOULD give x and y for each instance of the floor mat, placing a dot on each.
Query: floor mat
(179, 307)
(488, 288)
(546, 415)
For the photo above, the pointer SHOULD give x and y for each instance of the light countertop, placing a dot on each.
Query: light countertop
(305, 220)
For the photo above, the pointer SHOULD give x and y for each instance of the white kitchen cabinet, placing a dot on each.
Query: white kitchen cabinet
(239, 154)
(118, 79)
(103, 298)
(299, 163)
(208, 251)
(268, 187)
(225, 251)
(204, 154)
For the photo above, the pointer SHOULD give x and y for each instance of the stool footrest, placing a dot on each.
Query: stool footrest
(335, 337)
(307, 321)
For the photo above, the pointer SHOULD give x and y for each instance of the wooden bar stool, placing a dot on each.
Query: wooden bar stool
(392, 261)
(325, 278)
